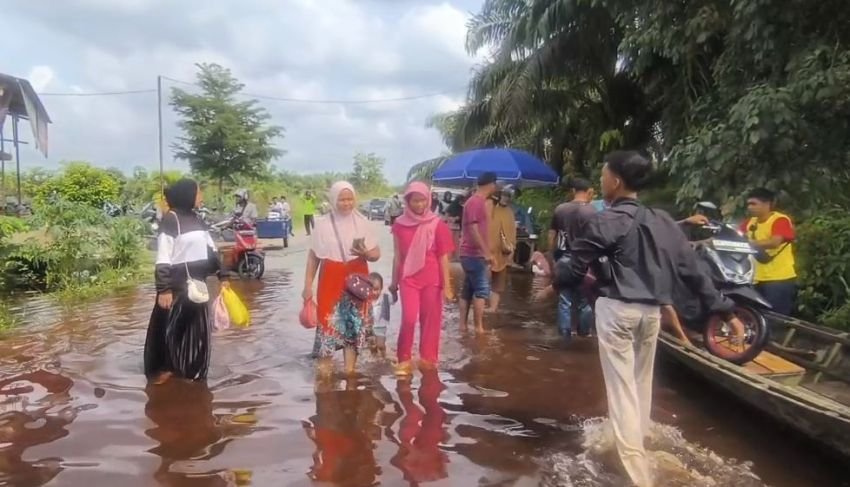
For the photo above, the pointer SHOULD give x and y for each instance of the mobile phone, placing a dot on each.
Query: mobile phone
(359, 243)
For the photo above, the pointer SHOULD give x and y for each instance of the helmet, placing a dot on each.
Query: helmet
(508, 191)
(241, 193)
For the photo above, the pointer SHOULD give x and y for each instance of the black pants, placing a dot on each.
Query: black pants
(782, 295)
(309, 223)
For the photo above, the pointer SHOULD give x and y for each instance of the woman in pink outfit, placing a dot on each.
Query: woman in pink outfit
(423, 244)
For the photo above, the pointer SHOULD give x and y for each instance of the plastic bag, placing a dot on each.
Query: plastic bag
(309, 315)
(221, 318)
(236, 309)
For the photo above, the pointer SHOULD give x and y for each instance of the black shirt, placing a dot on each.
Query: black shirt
(568, 221)
(648, 255)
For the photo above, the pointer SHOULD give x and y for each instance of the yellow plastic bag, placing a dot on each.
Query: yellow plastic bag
(239, 315)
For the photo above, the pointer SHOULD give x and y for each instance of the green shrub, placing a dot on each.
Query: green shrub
(10, 225)
(837, 318)
(80, 182)
(126, 241)
(823, 263)
(78, 244)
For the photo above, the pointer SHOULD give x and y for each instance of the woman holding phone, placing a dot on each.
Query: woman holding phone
(342, 244)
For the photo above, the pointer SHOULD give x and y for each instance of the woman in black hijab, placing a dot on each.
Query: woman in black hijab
(178, 339)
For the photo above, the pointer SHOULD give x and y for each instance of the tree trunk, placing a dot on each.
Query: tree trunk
(557, 156)
(221, 193)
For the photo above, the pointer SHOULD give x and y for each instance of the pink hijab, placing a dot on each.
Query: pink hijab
(426, 229)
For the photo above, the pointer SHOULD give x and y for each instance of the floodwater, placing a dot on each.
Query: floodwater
(511, 408)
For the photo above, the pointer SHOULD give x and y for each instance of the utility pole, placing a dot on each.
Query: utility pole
(17, 154)
(159, 131)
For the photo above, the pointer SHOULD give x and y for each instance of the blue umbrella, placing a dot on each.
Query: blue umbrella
(510, 165)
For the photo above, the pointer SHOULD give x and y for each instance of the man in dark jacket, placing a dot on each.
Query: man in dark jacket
(637, 254)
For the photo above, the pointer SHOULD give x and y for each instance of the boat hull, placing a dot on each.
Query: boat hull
(821, 419)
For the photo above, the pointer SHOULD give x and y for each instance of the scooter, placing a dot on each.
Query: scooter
(727, 257)
(246, 258)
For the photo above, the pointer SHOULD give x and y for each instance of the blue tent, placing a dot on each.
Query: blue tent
(511, 166)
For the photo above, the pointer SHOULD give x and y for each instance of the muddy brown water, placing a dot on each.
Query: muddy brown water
(511, 408)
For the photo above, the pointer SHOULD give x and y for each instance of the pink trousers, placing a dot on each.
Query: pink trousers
(423, 306)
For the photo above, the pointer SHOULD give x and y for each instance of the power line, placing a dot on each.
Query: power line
(336, 101)
(101, 93)
(364, 101)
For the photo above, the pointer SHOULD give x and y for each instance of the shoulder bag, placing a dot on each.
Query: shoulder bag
(196, 290)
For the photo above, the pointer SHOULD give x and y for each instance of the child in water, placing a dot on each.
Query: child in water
(380, 315)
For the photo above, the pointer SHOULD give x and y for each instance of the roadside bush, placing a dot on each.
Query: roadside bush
(74, 245)
(823, 262)
(10, 225)
(80, 182)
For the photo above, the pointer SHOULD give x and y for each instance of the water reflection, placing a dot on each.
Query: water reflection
(421, 431)
(344, 430)
(190, 435)
(34, 411)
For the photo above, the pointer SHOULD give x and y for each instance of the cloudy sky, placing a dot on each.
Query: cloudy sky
(303, 49)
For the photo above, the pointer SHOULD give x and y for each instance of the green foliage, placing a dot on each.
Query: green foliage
(424, 171)
(8, 318)
(78, 182)
(75, 246)
(223, 138)
(143, 187)
(837, 318)
(368, 173)
(823, 259)
(10, 225)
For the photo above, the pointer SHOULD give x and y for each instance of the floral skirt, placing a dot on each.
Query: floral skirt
(331, 330)
(350, 326)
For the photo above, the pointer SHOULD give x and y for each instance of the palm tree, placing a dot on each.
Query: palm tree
(553, 85)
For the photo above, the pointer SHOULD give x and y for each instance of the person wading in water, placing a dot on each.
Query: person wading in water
(178, 338)
(645, 253)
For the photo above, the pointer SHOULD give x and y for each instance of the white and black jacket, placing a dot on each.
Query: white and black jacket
(190, 247)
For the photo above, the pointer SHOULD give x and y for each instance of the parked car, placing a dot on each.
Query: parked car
(376, 209)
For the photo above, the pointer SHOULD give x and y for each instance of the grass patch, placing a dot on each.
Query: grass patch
(106, 283)
(8, 319)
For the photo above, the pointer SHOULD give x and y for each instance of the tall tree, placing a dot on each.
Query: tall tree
(368, 173)
(223, 138)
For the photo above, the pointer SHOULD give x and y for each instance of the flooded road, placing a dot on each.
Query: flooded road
(511, 408)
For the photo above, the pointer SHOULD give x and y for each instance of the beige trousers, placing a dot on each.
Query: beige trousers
(628, 334)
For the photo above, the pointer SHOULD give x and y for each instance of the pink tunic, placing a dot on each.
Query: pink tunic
(430, 274)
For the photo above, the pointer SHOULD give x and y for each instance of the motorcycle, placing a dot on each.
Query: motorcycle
(246, 258)
(727, 257)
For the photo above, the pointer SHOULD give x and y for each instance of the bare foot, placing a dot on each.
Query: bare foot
(325, 370)
(404, 369)
(480, 330)
(162, 378)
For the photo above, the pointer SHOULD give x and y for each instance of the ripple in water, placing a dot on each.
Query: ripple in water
(676, 462)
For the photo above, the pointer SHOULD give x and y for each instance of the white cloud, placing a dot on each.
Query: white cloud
(304, 49)
(40, 77)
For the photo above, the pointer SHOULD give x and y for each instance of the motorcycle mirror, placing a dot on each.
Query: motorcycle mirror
(530, 208)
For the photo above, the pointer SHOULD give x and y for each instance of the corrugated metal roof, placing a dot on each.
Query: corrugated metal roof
(23, 102)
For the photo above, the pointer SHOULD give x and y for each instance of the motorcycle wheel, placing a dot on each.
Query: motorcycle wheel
(717, 336)
(251, 266)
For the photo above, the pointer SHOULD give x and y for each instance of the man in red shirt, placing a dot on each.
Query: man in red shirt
(475, 256)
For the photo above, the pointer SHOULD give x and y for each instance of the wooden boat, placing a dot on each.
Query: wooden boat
(801, 380)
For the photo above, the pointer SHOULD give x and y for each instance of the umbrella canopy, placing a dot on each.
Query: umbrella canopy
(510, 165)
